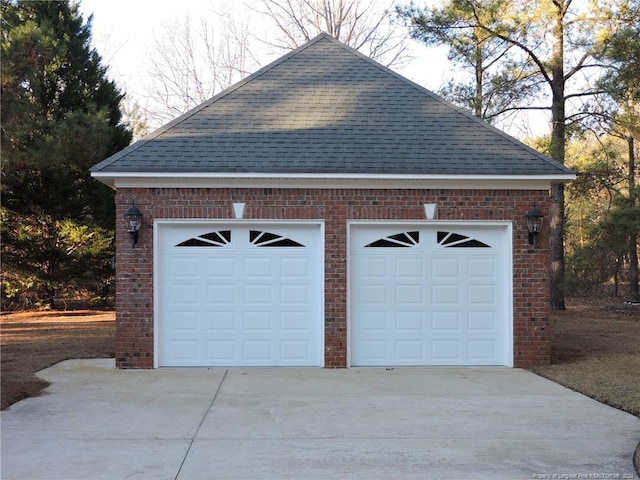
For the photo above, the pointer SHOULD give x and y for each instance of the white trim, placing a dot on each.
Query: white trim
(156, 283)
(431, 223)
(184, 221)
(509, 298)
(431, 211)
(507, 225)
(254, 180)
(358, 176)
(348, 291)
(229, 221)
(238, 210)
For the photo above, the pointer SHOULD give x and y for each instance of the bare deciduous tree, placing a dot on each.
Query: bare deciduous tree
(192, 61)
(365, 25)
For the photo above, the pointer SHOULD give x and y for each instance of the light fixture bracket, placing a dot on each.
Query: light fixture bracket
(133, 222)
(534, 224)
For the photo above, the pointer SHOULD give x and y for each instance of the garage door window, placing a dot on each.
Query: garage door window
(404, 239)
(266, 239)
(213, 239)
(455, 240)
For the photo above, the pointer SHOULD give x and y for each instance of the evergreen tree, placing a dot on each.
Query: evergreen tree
(621, 83)
(500, 76)
(560, 41)
(60, 115)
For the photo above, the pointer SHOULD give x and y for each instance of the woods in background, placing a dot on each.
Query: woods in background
(61, 114)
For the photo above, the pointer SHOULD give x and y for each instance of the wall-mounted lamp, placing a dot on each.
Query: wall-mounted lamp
(534, 224)
(133, 221)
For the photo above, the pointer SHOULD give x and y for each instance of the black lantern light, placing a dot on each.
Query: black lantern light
(133, 221)
(534, 224)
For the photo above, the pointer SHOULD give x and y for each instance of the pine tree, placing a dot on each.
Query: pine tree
(560, 42)
(60, 115)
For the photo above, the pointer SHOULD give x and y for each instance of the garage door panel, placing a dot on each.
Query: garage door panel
(222, 352)
(410, 322)
(409, 268)
(219, 294)
(441, 300)
(221, 322)
(222, 268)
(257, 351)
(374, 294)
(291, 295)
(444, 294)
(481, 294)
(184, 267)
(483, 321)
(372, 321)
(446, 351)
(481, 350)
(374, 268)
(445, 268)
(184, 350)
(294, 268)
(258, 268)
(409, 294)
(409, 351)
(446, 321)
(257, 294)
(186, 322)
(243, 302)
(482, 268)
(294, 351)
(293, 322)
(184, 294)
(372, 352)
(257, 323)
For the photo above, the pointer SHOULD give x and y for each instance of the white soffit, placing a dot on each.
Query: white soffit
(199, 180)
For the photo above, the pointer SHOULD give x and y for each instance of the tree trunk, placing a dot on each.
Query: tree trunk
(556, 229)
(479, 66)
(556, 224)
(633, 241)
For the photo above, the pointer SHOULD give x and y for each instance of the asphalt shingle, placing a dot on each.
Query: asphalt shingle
(326, 109)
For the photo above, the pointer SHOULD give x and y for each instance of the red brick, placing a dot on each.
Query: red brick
(134, 273)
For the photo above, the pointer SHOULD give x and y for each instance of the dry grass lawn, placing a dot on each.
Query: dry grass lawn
(595, 350)
(35, 340)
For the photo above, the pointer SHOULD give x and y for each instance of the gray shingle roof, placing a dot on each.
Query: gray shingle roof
(326, 109)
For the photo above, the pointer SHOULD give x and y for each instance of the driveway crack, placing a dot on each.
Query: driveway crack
(215, 396)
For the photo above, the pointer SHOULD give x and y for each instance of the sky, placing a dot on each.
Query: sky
(124, 33)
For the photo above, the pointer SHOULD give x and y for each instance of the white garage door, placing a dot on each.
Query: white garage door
(239, 295)
(430, 295)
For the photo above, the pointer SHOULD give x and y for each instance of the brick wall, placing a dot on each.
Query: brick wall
(134, 272)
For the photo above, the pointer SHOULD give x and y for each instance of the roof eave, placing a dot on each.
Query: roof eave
(336, 180)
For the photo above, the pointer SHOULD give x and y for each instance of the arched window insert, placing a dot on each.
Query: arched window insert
(267, 239)
(405, 239)
(455, 240)
(213, 239)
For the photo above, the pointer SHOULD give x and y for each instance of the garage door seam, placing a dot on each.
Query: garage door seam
(215, 396)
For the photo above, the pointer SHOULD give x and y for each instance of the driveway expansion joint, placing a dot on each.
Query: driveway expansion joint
(204, 417)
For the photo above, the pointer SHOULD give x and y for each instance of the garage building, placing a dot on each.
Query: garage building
(327, 212)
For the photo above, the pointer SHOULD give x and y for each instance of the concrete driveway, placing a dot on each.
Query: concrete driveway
(254, 423)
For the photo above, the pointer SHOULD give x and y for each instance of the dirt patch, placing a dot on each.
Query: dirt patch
(595, 351)
(32, 341)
